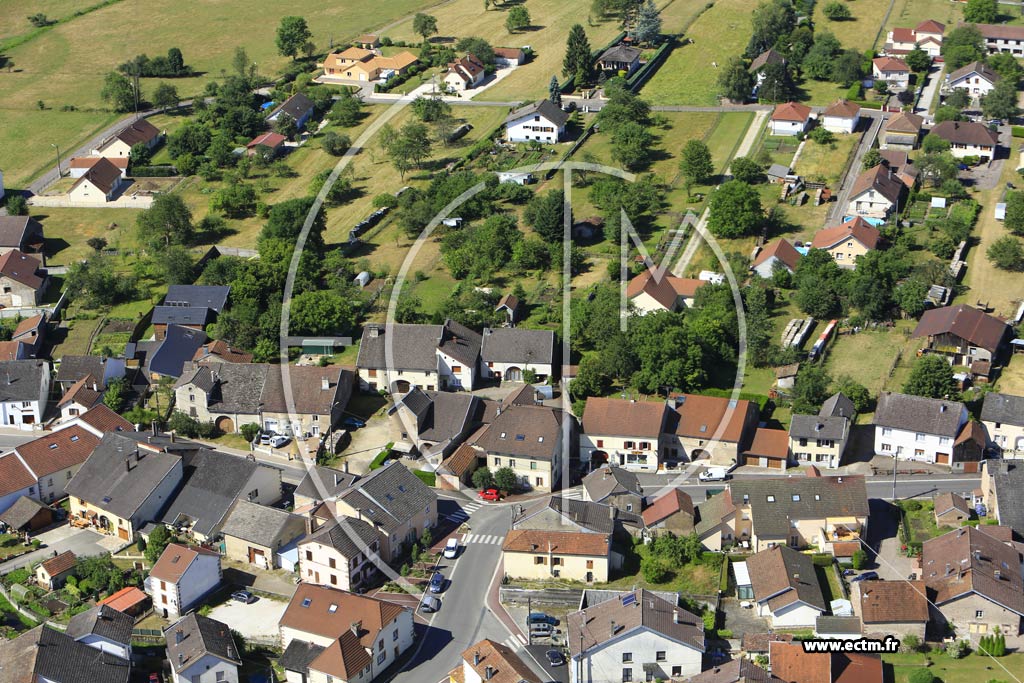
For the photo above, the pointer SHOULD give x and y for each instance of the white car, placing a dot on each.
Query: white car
(279, 441)
(451, 549)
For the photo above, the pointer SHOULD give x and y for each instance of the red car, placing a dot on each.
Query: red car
(489, 494)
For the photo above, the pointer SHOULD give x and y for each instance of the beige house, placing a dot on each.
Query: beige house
(699, 427)
(120, 144)
(656, 289)
(896, 607)
(893, 71)
(717, 525)
(22, 280)
(968, 139)
(821, 439)
(902, 131)
(623, 432)
(54, 572)
(847, 241)
(875, 193)
(360, 64)
(261, 535)
(540, 555)
(1003, 418)
(98, 185)
(528, 439)
(951, 510)
(342, 555)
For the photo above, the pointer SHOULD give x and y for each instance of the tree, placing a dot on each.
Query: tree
(959, 98)
(810, 389)
(837, 11)
(746, 170)
(96, 243)
(483, 478)
(335, 144)
(1006, 253)
(167, 221)
(429, 109)
(1006, 65)
(872, 158)
(822, 136)
(235, 200)
(918, 60)
(424, 25)
(631, 145)
(1001, 101)
(319, 313)
(346, 111)
(648, 23)
(919, 675)
(734, 210)
(933, 144)
(910, 296)
(931, 377)
(654, 570)
(855, 391)
(576, 63)
(777, 84)
(140, 154)
(292, 34)
(478, 47)
(505, 479)
(847, 68)
(114, 396)
(695, 162)
(623, 107)
(555, 91)
(159, 539)
(517, 19)
(963, 45)
(1014, 219)
(735, 82)
(240, 62)
(818, 62)
(119, 92)
(947, 113)
(770, 21)
(16, 204)
(544, 215)
(981, 11)
(165, 96)
(407, 147)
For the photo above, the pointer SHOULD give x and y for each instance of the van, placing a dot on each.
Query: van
(714, 474)
(541, 630)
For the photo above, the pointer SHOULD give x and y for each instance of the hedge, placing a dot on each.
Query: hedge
(822, 560)
(153, 172)
(1017, 131)
(428, 478)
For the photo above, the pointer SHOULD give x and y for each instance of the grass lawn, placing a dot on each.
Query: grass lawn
(858, 33)
(825, 163)
(688, 75)
(869, 355)
(830, 588)
(910, 13)
(76, 341)
(922, 522)
(48, 67)
(973, 668)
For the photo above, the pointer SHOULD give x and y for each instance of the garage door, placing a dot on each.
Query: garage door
(971, 467)
(226, 425)
(514, 374)
(122, 533)
(942, 458)
(402, 386)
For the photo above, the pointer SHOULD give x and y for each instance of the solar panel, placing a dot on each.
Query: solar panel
(628, 599)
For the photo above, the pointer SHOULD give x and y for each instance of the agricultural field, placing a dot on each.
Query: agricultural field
(858, 33)
(910, 13)
(689, 76)
(49, 68)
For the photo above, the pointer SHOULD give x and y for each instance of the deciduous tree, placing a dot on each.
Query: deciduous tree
(424, 25)
(735, 82)
(167, 221)
(931, 377)
(734, 210)
(695, 162)
(292, 34)
(1006, 253)
(517, 19)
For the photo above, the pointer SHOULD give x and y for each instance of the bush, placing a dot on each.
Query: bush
(17, 576)
(920, 675)
(379, 461)
(911, 642)
(822, 136)
(249, 431)
(860, 559)
(1017, 131)
(958, 649)
(911, 505)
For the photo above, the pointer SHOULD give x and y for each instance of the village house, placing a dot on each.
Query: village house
(716, 523)
(901, 131)
(821, 439)
(299, 107)
(976, 78)
(437, 422)
(672, 512)
(22, 280)
(790, 118)
(640, 633)
(152, 359)
(740, 670)
(329, 634)
(511, 353)
(139, 131)
(542, 121)
(320, 484)
(892, 70)
(342, 555)
(614, 486)
(963, 334)
(79, 166)
(1002, 483)
(97, 368)
(30, 332)
(1002, 38)
(826, 513)
(24, 388)
(431, 357)
(786, 588)
(757, 65)
(699, 427)
(875, 193)
(105, 629)
(790, 662)
(22, 233)
(46, 464)
(918, 428)
(951, 509)
(778, 254)
(626, 433)
(182, 577)
(842, 116)
(465, 73)
(968, 139)
(25, 516)
(54, 572)
(269, 143)
(488, 661)
(46, 654)
(202, 649)
(131, 601)
(528, 439)
(559, 513)
(927, 36)
(542, 555)
(901, 165)
(263, 536)
(98, 185)
(657, 289)
(847, 241)
(1003, 418)
(769, 448)
(899, 608)
(976, 581)
(363, 65)
(621, 59)
(217, 351)
(191, 306)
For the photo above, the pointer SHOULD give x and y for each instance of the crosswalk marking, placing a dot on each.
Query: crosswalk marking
(483, 539)
(572, 493)
(513, 643)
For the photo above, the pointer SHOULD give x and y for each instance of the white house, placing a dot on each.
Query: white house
(1003, 418)
(201, 650)
(790, 118)
(1003, 38)
(105, 629)
(917, 428)
(976, 78)
(623, 433)
(893, 71)
(431, 357)
(24, 388)
(875, 193)
(786, 588)
(342, 555)
(509, 352)
(509, 56)
(841, 116)
(465, 74)
(638, 635)
(781, 252)
(967, 139)
(926, 36)
(79, 166)
(542, 120)
(98, 185)
(181, 577)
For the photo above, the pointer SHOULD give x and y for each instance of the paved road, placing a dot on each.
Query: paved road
(81, 541)
(11, 440)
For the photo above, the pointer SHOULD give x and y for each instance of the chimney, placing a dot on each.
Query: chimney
(675, 616)
(179, 635)
(181, 658)
(128, 464)
(152, 427)
(796, 576)
(998, 575)
(476, 658)
(356, 627)
(611, 512)
(325, 383)
(488, 672)
(345, 466)
(613, 629)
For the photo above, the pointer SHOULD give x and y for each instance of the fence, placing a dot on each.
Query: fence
(62, 201)
(643, 73)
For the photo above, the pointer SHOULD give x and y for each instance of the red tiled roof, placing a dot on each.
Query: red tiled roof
(271, 140)
(175, 561)
(844, 109)
(124, 599)
(859, 229)
(89, 162)
(930, 26)
(676, 500)
(782, 250)
(558, 542)
(977, 327)
(60, 564)
(662, 286)
(903, 35)
(616, 416)
(14, 476)
(886, 64)
(59, 450)
(22, 268)
(103, 419)
(791, 111)
(883, 602)
(770, 443)
(700, 416)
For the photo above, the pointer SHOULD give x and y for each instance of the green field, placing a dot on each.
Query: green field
(858, 33)
(869, 355)
(63, 66)
(974, 668)
(910, 13)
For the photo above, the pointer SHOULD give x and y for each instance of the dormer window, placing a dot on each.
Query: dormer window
(771, 499)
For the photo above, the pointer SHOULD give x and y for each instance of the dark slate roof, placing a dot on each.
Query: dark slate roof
(19, 231)
(104, 481)
(590, 516)
(524, 431)
(782, 576)
(212, 482)
(1008, 481)
(828, 624)
(609, 480)
(331, 480)
(1003, 408)
(442, 416)
(181, 315)
(103, 621)
(22, 512)
(977, 327)
(819, 497)
(460, 342)
(261, 524)
(390, 496)
(414, 347)
(74, 368)
(295, 106)
(214, 297)
(178, 347)
(51, 655)
(620, 53)
(815, 427)
(231, 387)
(21, 380)
(194, 636)
(546, 108)
(299, 655)
(633, 611)
(348, 536)
(837, 405)
(515, 344)
(919, 414)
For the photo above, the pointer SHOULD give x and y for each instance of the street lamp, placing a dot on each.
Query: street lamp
(59, 174)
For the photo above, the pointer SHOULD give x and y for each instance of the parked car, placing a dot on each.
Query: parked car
(353, 422)
(541, 618)
(154, 678)
(451, 549)
(542, 630)
(489, 494)
(866, 576)
(430, 604)
(265, 438)
(437, 582)
(244, 597)
(278, 441)
(555, 658)
(849, 572)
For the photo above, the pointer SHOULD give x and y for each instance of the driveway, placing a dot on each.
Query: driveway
(741, 620)
(928, 94)
(82, 542)
(890, 563)
(257, 622)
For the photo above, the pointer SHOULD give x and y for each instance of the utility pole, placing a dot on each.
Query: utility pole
(895, 463)
(56, 147)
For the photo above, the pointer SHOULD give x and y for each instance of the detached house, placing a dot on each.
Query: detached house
(623, 433)
(1002, 38)
(431, 357)
(98, 185)
(757, 65)
(786, 588)
(842, 116)
(640, 634)
(778, 254)
(543, 120)
(299, 107)
(976, 581)
(364, 65)
(22, 280)
(875, 193)
(139, 131)
(821, 439)
(893, 71)
(968, 139)
(963, 334)
(464, 74)
(923, 429)
(24, 388)
(182, 577)
(1003, 418)
(657, 289)
(927, 36)
(790, 118)
(902, 131)
(509, 56)
(203, 649)
(976, 78)
(22, 233)
(847, 241)
(622, 59)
